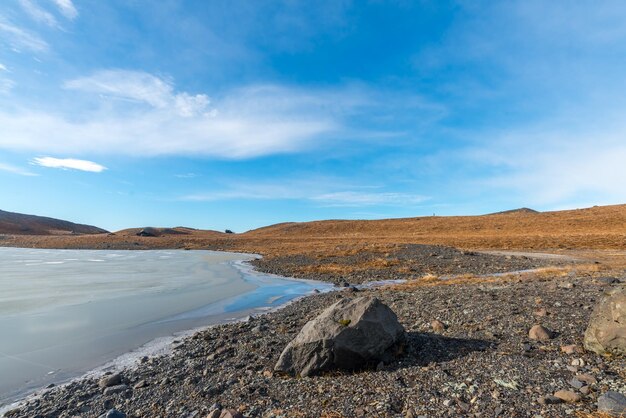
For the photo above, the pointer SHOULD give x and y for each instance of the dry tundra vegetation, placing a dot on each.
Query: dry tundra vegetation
(473, 287)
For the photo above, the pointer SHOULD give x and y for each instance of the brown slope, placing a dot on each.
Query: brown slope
(20, 224)
(596, 227)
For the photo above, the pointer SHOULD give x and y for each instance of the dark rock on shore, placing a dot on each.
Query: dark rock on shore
(348, 335)
(606, 333)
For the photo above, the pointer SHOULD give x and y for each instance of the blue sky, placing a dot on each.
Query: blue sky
(233, 114)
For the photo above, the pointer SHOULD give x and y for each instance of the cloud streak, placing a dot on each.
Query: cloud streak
(18, 39)
(15, 170)
(38, 14)
(321, 192)
(67, 8)
(141, 114)
(69, 164)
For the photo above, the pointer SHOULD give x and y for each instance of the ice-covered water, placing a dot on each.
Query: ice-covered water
(65, 312)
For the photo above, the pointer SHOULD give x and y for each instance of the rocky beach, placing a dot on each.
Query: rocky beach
(468, 352)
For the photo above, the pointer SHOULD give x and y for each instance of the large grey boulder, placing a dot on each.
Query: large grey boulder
(350, 334)
(606, 333)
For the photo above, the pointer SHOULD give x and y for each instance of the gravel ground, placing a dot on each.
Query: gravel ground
(482, 365)
(402, 262)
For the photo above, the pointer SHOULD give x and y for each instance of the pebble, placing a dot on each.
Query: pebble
(540, 333)
(568, 396)
(112, 390)
(613, 403)
(215, 413)
(111, 380)
(113, 413)
(438, 326)
(570, 349)
(576, 383)
(550, 400)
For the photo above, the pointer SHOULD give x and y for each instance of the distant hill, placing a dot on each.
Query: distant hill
(520, 211)
(20, 224)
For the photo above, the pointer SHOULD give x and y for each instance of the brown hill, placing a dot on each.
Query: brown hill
(596, 227)
(601, 227)
(20, 224)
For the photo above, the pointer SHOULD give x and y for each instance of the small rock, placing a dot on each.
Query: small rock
(541, 312)
(540, 333)
(112, 390)
(571, 349)
(585, 390)
(230, 413)
(215, 413)
(568, 396)
(111, 380)
(438, 326)
(140, 384)
(576, 383)
(588, 379)
(448, 402)
(550, 400)
(113, 413)
(612, 403)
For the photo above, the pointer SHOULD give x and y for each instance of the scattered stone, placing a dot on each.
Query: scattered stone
(230, 413)
(438, 326)
(606, 281)
(606, 333)
(113, 413)
(571, 349)
(585, 390)
(613, 403)
(112, 390)
(541, 312)
(566, 285)
(140, 384)
(574, 382)
(550, 400)
(568, 396)
(215, 413)
(110, 380)
(540, 333)
(588, 379)
(348, 335)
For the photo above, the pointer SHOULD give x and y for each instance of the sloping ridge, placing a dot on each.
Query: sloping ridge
(21, 224)
(595, 220)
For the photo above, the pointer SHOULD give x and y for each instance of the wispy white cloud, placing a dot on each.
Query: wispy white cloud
(186, 175)
(18, 38)
(15, 170)
(69, 164)
(67, 8)
(323, 192)
(357, 198)
(143, 88)
(39, 14)
(143, 115)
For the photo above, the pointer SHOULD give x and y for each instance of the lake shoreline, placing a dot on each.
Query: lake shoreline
(224, 310)
(449, 373)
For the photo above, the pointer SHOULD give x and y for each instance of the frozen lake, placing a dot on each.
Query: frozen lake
(65, 312)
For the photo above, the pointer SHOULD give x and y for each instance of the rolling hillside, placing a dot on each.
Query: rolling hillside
(20, 224)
